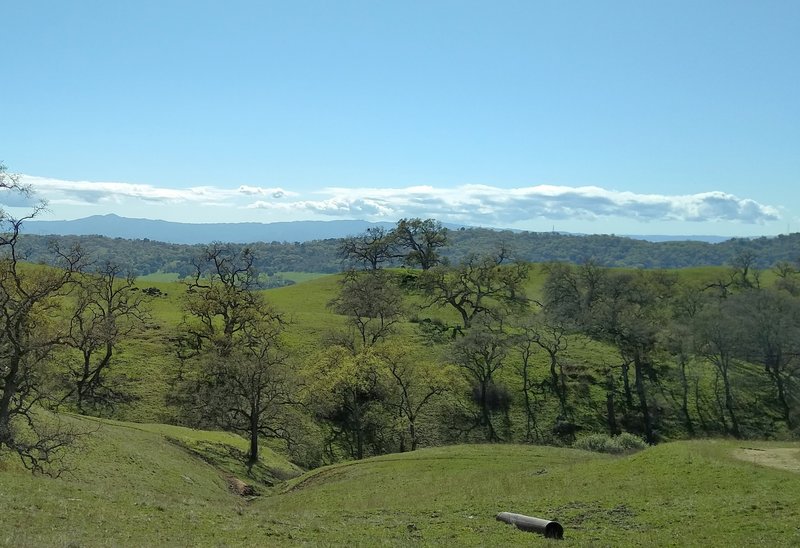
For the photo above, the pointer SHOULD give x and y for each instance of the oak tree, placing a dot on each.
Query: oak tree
(30, 298)
(237, 377)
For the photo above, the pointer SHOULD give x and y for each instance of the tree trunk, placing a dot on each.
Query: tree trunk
(465, 319)
(626, 384)
(358, 428)
(720, 405)
(785, 408)
(486, 416)
(412, 431)
(558, 383)
(729, 404)
(83, 381)
(528, 410)
(253, 456)
(563, 378)
(9, 389)
(81, 388)
(642, 393)
(685, 399)
(699, 407)
(611, 411)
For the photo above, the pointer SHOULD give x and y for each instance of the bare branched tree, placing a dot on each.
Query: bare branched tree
(108, 308)
(421, 240)
(478, 286)
(372, 304)
(29, 300)
(236, 366)
(369, 250)
(480, 354)
(417, 385)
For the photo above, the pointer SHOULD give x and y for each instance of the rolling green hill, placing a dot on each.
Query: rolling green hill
(141, 485)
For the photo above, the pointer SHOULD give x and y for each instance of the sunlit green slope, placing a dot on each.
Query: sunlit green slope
(134, 485)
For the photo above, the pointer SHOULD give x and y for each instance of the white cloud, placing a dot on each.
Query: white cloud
(498, 206)
(91, 193)
(275, 192)
(468, 204)
(100, 192)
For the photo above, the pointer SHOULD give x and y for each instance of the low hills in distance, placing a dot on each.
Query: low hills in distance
(313, 246)
(115, 226)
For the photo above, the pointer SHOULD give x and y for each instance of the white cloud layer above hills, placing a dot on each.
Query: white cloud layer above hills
(467, 204)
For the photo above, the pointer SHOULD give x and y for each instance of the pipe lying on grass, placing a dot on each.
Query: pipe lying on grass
(550, 529)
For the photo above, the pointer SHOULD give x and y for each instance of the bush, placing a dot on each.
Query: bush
(603, 443)
(598, 443)
(628, 442)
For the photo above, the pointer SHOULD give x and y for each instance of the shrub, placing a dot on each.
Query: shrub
(628, 442)
(593, 442)
(603, 443)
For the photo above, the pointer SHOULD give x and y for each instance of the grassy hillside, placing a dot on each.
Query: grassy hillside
(131, 484)
(147, 359)
(135, 485)
(686, 493)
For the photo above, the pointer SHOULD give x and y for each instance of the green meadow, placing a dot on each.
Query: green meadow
(155, 485)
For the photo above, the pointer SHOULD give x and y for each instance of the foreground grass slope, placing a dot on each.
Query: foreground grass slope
(134, 484)
(144, 485)
(685, 493)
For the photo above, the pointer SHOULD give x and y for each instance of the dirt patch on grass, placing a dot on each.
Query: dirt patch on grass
(784, 458)
(241, 488)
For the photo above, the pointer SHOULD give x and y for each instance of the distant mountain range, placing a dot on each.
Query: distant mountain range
(667, 238)
(114, 226)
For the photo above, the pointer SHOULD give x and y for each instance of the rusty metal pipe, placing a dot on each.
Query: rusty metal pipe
(550, 529)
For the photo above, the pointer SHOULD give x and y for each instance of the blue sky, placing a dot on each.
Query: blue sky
(640, 117)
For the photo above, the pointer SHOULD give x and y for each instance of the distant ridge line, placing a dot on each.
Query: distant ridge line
(115, 226)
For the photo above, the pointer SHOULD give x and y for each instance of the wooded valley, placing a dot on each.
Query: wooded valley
(407, 347)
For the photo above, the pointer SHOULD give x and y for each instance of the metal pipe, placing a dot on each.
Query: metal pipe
(550, 529)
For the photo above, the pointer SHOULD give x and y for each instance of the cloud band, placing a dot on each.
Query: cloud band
(468, 204)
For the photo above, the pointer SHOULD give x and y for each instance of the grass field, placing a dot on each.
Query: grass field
(135, 484)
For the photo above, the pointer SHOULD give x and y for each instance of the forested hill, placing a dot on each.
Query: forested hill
(148, 256)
